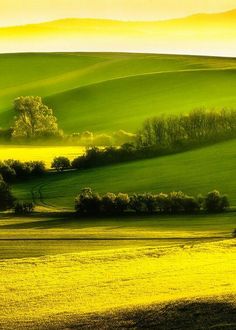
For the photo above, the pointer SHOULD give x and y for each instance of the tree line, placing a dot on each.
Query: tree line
(90, 203)
(196, 128)
(15, 170)
(165, 135)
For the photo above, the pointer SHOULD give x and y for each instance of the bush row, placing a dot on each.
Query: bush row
(12, 170)
(92, 203)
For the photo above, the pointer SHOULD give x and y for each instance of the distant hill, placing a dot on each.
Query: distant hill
(104, 92)
(213, 34)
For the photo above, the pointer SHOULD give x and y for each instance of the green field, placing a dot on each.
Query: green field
(106, 92)
(59, 272)
(193, 172)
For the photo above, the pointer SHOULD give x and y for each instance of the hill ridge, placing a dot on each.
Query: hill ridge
(107, 20)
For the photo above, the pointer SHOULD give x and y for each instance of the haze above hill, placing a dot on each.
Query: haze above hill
(210, 34)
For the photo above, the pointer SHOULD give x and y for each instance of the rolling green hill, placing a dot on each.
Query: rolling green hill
(193, 172)
(103, 92)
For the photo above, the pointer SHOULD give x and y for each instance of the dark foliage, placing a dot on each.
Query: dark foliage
(215, 202)
(179, 131)
(6, 197)
(23, 208)
(98, 157)
(90, 203)
(12, 170)
(61, 163)
(166, 135)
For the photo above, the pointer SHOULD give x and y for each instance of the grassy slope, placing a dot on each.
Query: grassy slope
(104, 92)
(193, 172)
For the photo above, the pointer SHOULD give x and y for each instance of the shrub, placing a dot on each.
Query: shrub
(37, 168)
(191, 205)
(137, 203)
(24, 208)
(88, 202)
(177, 202)
(149, 203)
(163, 203)
(15, 170)
(215, 202)
(122, 203)
(7, 172)
(108, 203)
(6, 197)
(61, 163)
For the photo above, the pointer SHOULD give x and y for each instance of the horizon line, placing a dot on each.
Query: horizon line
(118, 20)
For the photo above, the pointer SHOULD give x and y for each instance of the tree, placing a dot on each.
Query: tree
(60, 163)
(108, 203)
(122, 203)
(34, 119)
(215, 202)
(88, 202)
(6, 197)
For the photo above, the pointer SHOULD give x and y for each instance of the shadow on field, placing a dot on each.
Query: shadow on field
(183, 316)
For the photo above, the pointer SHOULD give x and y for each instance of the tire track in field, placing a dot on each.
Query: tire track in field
(37, 196)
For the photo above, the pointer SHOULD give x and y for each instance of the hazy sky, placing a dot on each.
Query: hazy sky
(16, 12)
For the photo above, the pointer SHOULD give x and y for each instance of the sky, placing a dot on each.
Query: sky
(18, 12)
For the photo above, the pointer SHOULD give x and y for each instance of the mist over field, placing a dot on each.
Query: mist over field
(200, 34)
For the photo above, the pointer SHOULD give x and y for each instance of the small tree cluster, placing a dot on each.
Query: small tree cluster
(24, 208)
(215, 202)
(60, 163)
(91, 203)
(110, 155)
(12, 170)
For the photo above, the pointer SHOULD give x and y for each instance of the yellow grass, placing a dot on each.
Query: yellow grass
(41, 153)
(40, 290)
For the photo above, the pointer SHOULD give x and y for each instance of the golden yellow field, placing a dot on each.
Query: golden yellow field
(40, 153)
(53, 288)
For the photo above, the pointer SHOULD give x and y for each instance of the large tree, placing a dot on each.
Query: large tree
(34, 119)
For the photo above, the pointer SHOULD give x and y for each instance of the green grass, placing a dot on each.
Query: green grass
(105, 92)
(193, 172)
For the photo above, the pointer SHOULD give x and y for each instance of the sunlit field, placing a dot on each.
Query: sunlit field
(110, 265)
(103, 92)
(39, 153)
(194, 172)
(62, 272)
